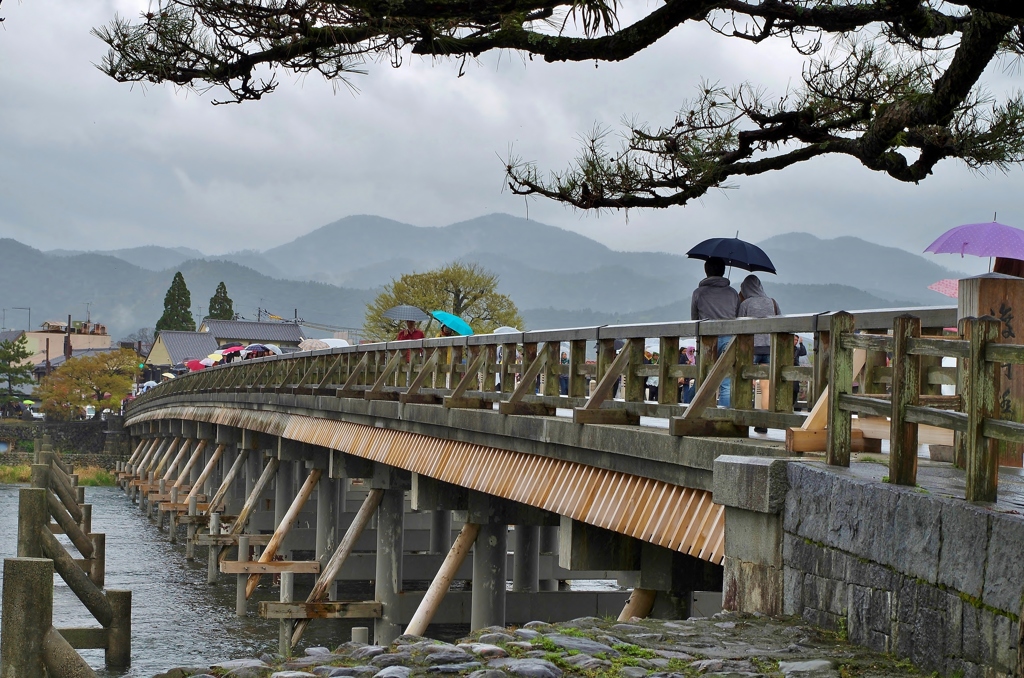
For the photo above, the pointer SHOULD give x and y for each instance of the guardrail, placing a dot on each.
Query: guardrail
(55, 494)
(521, 373)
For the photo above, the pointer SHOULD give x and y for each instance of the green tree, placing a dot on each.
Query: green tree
(88, 380)
(13, 368)
(895, 86)
(221, 306)
(177, 307)
(467, 290)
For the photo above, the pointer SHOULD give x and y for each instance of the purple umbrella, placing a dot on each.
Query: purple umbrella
(991, 239)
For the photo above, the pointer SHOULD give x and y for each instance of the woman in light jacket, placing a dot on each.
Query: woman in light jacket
(754, 303)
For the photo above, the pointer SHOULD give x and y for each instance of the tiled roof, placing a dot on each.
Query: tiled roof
(253, 331)
(182, 346)
(11, 335)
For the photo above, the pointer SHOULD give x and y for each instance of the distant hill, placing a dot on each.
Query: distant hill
(557, 277)
(150, 257)
(126, 297)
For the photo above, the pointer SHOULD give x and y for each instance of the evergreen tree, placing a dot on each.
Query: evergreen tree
(221, 306)
(13, 368)
(177, 307)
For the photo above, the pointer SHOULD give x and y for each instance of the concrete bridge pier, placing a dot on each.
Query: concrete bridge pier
(489, 577)
(390, 551)
(526, 562)
(548, 546)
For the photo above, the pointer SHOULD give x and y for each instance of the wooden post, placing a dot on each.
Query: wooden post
(577, 360)
(634, 383)
(707, 356)
(1002, 297)
(190, 543)
(960, 439)
(212, 550)
(840, 382)
(243, 557)
(780, 392)
(822, 360)
(981, 402)
(442, 580)
(906, 391)
(639, 604)
(742, 393)
(172, 519)
(284, 635)
(118, 653)
(27, 615)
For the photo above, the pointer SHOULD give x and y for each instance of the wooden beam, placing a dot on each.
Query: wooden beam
(799, 440)
(443, 580)
(348, 542)
(269, 609)
(840, 381)
(906, 391)
(272, 567)
(207, 470)
(229, 478)
(817, 418)
(707, 392)
(285, 527)
(196, 456)
(981, 402)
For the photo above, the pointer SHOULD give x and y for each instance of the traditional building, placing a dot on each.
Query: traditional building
(175, 347)
(283, 334)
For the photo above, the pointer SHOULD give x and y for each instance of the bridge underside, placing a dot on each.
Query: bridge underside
(678, 518)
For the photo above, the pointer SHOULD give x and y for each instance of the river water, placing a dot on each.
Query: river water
(177, 618)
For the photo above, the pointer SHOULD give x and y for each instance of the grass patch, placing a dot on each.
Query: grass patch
(94, 476)
(634, 651)
(21, 473)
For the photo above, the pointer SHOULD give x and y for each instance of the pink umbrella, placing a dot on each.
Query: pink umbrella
(948, 287)
(982, 240)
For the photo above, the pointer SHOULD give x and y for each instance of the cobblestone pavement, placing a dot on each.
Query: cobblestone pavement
(724, 646)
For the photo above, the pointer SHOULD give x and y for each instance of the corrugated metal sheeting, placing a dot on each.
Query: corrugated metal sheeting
(680, 518)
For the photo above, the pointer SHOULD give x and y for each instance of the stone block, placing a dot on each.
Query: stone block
(753, 536)
(824, 594)
(1004, 585)
(964, 540)
(864, 572)
(751, 483)
(752, 587)
(859, 622)
(919, 534)
(862, 520)
(792, 591)
(809, 502)
(929, 644)
(971, 646)
(801, 554)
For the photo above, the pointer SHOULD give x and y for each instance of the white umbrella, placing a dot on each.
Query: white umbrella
(274, 348)
(207, 361)
(505, 329)
(335, 343)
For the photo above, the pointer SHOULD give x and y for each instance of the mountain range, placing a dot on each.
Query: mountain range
(557, 278)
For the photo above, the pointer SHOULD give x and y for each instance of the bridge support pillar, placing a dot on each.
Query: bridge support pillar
(548, 546)
(326, 523)
(440, 531)
(753, 491)
(526, 563)
(489, 558)
(284, 492)
(388, 583)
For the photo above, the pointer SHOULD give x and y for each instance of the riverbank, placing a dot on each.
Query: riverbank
(88, 476)
(725, 646)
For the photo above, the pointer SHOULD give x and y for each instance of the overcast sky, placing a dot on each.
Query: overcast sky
(87, 163)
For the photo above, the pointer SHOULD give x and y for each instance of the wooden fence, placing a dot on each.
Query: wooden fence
(521, 373)
(55, 494)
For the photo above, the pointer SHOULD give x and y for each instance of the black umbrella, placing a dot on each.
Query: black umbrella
(734, 252)
(405, 312)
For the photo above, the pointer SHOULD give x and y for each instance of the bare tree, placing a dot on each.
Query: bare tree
(894, 84)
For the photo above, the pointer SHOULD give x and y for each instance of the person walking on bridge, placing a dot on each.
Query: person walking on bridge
(715, 299)
(754, 303)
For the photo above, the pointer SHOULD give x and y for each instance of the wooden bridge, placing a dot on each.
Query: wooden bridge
(598, 481)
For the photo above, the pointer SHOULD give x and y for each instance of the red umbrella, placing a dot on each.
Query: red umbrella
(231, 349)
(194, 365)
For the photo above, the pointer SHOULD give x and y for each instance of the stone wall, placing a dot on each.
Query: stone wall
(85, 443)
(900, 570)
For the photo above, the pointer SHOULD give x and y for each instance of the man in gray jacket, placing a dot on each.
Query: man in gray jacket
(715, 299)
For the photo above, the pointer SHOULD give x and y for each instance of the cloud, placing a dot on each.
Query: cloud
(92, 164)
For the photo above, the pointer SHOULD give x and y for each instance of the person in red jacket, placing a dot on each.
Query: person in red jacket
(410, 331)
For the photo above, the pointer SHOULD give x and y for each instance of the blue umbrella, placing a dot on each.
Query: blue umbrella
(453, 322)
(734, 252)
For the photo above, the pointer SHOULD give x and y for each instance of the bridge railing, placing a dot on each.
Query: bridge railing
(603, 378)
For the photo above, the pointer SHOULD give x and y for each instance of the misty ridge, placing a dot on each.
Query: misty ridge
(557, 278)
